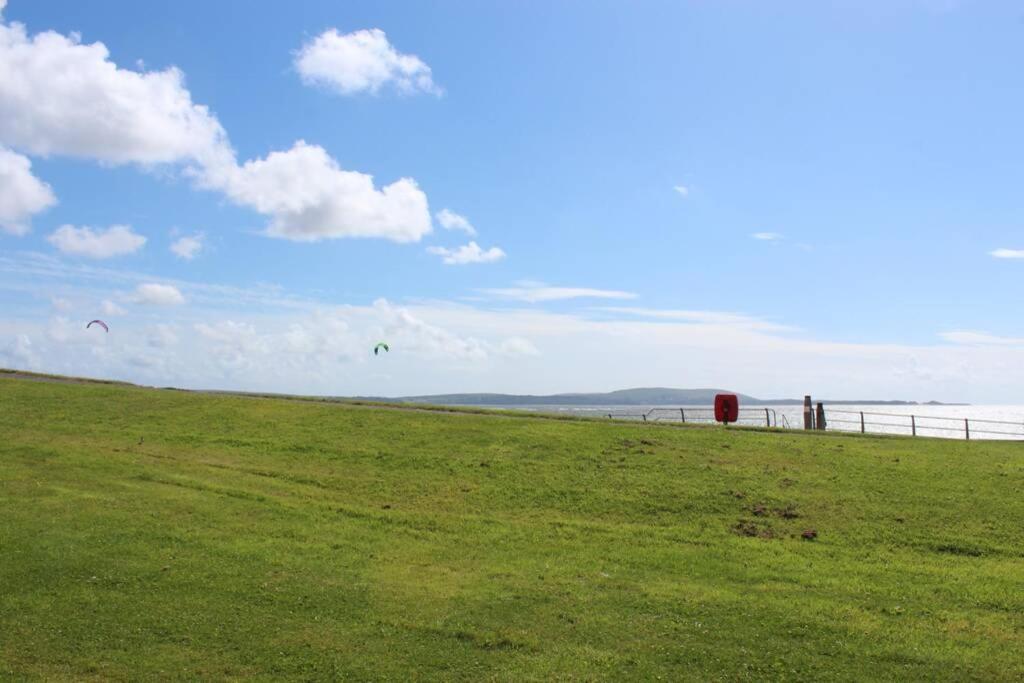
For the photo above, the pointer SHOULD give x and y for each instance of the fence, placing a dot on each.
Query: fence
(837, 419)
(922, 425)
(753, 417)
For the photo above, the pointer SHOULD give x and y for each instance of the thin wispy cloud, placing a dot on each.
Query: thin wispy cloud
(450, 220)
(972, 338)
(681, 190)
(697, 317)
(767, 236)
(537, 292)
(1007, 253)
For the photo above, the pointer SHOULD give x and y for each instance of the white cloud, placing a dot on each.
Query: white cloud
(162, 336)
(18, 352)
(450, 220)
(534, 292)
(407, 330)
(3, 3)
(279, 343)
(361, 61)
(310, 198)
(683, 190)
(158, 295)
(117, 240)
(701, 317)
(767, 236)
(59, 96)
(518, 346)
(970, 338)
(110, 308)
(22, 195)
(467, 253)
(1007, 253)
(188, 247)
(60, 304)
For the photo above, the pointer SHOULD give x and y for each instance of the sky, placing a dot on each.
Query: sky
(775, 198)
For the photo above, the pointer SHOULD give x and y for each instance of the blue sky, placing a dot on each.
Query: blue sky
(780, 198)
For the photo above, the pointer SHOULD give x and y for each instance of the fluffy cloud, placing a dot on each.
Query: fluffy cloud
(535, 292)
(308, 197)
(450, 220)
(406, 330)
(117, 240)
(1007, 253)
(22, 195)
(467, 253)
(361, 61)
(59, 96)
(158, 295)
(188, 247)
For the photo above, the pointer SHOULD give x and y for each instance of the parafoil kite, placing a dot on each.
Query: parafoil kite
(100, 323)
(378, 347)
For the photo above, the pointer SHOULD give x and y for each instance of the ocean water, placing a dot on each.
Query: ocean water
(984, 422)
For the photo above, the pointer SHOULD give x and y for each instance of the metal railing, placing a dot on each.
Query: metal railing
(921, 425)
(837, 419)
(759, 417)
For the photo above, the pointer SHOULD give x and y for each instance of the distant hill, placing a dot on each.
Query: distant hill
(623, 397)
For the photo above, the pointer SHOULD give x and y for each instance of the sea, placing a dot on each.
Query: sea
(977, 422)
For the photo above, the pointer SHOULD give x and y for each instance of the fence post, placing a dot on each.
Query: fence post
(967, 429)
(913, 426)
(644, 416)
(767, 418)
(682, 414)
(820, 417)
(808, 415)
(862, 422)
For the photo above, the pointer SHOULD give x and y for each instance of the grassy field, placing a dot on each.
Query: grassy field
(160, 534)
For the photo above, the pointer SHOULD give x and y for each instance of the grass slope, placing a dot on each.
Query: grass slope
(150, 533)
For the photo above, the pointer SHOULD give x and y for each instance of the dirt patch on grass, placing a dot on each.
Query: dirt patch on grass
(751, 529)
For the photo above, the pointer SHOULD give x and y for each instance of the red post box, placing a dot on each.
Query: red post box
(727, 408)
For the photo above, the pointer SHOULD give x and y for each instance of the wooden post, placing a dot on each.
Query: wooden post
(808, 415)
(862, 422)
(819, 420)
(682, 414)
(913, 426)
(767, 418)
(967, 429)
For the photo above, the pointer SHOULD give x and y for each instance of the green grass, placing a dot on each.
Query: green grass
(159, 534)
